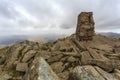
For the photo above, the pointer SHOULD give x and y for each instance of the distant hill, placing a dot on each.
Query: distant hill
(111, 34)
(8, 40)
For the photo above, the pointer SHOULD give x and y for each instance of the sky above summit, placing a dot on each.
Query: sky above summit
(34, 17)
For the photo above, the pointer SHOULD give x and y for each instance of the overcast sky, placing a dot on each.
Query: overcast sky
(28, 17)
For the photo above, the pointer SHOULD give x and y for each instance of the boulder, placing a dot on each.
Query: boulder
(40, 70)
(85, 73)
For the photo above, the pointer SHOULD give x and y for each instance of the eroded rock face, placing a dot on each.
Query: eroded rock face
(85, 26)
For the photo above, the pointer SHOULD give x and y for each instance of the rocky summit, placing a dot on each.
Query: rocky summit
(69, 58)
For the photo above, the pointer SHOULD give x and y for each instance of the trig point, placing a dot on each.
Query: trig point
(85, 26)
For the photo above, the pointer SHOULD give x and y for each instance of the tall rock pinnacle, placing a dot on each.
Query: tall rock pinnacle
(85, 26)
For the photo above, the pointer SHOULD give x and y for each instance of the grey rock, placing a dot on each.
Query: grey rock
(40, 70)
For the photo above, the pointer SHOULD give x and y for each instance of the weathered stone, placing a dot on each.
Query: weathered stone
(104, 47)
(55, 58)
(28, 55)
(13, 55)
(85, 73)
(106, 65)
(79, 45)
(44, 54)
(106, 75)
(57, 67)
(85, 57)
(113, 56)
(63, 46)
(117, 74)
(95, 55)
(22, 67)
(40, 70)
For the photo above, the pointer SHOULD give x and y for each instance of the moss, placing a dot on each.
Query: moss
(3, 50)
(119, 57)
(15, 73)
(20, 52)
(44, 47)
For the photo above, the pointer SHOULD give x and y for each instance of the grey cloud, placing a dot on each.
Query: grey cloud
(34, 16)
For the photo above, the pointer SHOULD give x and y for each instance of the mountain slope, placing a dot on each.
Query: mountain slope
(67, 57)
(111, 34)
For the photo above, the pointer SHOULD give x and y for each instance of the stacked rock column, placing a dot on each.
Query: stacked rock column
(85, 26)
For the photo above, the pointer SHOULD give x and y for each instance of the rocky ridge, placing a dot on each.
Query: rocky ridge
(65, 59)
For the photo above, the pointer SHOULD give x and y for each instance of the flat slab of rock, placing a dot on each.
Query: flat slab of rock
(22, 67)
